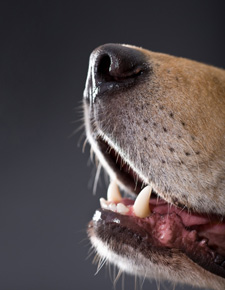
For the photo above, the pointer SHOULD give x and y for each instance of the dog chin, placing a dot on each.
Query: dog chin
(175, 267)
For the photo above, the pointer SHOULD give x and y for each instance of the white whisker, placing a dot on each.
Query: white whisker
(101, 263)
(97, 178)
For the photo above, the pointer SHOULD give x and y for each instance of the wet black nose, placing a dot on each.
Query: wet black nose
(113, 67)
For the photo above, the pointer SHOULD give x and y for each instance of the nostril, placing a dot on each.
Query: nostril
(111, 67)
(103, 66)
(115, 67)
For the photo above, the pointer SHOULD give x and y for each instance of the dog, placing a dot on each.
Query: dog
(156, 123)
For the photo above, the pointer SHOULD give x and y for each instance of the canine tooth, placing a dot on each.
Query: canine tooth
(141, 205)
(103, 203)
(113, 193)
(121, 208)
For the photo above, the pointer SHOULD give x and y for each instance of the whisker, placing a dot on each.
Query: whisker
(90, 254)
(143, 281)
(82, 136)
(123, 281)
(84, 144)
(81, 127)
(91, 154)
(117, 277)
(97, 178)
(101, 263)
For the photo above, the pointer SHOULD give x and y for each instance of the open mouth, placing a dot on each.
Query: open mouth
(150, 223)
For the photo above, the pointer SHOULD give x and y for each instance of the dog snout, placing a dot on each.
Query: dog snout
(113, 67)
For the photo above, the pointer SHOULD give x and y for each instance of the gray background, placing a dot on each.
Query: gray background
(46, 202)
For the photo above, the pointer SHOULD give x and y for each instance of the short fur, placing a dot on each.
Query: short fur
(173, 136)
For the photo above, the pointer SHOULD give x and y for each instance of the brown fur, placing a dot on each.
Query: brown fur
(173, 136)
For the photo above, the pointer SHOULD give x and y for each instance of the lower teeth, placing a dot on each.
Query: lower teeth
(120, 207)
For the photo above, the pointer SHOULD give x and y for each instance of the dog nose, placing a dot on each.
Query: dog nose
(113, 67)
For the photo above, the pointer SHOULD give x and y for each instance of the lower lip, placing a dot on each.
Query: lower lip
(158, 232)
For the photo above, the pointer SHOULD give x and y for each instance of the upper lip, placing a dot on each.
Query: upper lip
(124, 172)
(129, 177)
(126, 175)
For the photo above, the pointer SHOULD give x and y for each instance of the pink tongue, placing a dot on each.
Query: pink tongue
(187, 219)
(208, 228)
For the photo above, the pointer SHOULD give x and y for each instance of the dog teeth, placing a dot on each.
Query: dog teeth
(121, 208)
(104, 204)
(141, 205)
(113, 193)
(113, 207)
